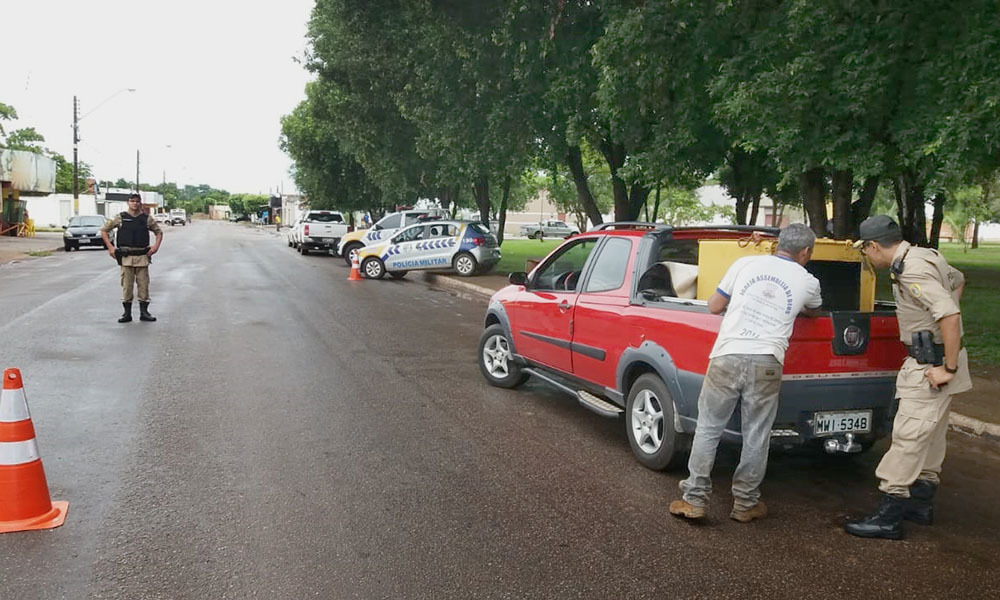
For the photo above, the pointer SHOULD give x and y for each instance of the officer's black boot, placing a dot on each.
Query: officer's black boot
(144, 312)
(127, 315)
(920, 509)
(886, 522)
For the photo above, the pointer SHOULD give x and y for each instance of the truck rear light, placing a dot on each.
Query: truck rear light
(305, 230)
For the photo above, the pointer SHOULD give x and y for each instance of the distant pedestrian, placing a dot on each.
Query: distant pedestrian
(133, 254)
(927, 291)
(764, 295)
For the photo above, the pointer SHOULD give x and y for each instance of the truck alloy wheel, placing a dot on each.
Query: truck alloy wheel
(496, 361)
(373, 268)
(649, 424)
(465, 264)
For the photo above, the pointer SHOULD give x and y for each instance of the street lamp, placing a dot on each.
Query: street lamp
(76, 141)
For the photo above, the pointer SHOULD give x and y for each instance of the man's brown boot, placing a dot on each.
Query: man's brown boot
(681, 508)
(757, 511)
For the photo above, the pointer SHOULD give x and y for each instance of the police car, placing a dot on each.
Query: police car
(436, 245)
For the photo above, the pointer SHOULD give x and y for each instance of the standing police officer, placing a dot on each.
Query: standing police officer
(133, 254)
(927, 291)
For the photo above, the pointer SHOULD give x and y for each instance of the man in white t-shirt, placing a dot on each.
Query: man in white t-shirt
(764, 295)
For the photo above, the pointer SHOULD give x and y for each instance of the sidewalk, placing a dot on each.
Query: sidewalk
(976, 412)
(15, 248)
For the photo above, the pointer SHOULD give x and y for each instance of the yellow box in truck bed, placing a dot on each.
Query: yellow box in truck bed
(842, 265)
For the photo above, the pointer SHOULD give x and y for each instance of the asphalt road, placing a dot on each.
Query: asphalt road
(281, 432)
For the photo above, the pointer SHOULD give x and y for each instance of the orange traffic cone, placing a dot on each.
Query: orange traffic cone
(24, 495)
(355, 273)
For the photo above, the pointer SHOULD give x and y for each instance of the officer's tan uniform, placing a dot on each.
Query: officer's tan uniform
(135, 269)
(927, 290)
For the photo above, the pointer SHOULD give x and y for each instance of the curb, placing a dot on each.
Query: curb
(971, 426)
(445, 281)
(956, 422)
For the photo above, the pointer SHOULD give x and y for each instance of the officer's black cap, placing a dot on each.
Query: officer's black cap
(879, 228)
(134, 195)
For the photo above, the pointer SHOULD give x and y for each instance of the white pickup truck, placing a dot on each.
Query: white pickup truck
(178, 216)
(319, 230)
(554, 229)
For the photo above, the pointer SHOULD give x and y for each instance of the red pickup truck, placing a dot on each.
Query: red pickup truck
(618, 317)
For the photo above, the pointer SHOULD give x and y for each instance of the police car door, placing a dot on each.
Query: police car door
(403, 254)
(440, 244)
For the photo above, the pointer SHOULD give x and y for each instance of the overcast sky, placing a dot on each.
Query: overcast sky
(212, 80)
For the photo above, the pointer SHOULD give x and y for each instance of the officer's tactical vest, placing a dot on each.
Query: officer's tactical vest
(134, 231)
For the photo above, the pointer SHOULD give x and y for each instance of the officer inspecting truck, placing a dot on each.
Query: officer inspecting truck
(927, 291)
(133, 254)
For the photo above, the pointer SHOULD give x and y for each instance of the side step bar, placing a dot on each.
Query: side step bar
(586, 399)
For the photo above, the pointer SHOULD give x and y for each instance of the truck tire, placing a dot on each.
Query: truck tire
(465, 264)
(303, 250)
(373, 268)
(496, 362)
(350, 248)
(649, 425)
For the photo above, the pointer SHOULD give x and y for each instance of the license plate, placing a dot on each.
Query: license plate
(828, 423)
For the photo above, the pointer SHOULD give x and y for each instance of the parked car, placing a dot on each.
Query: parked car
(383, 229)
(85, 230)
(556, 229)
(291, 235)
(618, 317)
(162, 218)
(438, 245)
(320, 230)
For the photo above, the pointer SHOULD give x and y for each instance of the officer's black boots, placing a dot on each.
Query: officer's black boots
(920, 509)
(127, 315)
(886, 522)
(144, 312)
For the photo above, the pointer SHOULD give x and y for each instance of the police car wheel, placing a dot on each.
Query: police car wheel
(398, 274)
(373, 268)
(496, 361)
(649, 425)
(351, 251)
(465, 264)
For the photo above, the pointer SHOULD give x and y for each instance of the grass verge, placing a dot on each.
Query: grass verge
(516, 252)
(39, 253)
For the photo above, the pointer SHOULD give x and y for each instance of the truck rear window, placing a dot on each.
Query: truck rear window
(325, 218)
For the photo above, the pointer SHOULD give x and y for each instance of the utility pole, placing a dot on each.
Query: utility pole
(76, 140)
(137, 171)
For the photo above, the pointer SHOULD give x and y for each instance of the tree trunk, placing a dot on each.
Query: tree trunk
(656, 205)
(910, 198)
(615, 155)
(975, 234)
(754, 209)
(937, 219)
(502, 216)
(843, 188)
(863, 207)
(637, 197)
(481, 190)
(574, 160)
(813, 185)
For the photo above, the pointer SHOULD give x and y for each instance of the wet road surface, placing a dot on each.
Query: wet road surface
(281, 432)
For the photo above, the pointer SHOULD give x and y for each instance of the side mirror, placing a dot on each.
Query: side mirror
(65, 226)
(518, 278)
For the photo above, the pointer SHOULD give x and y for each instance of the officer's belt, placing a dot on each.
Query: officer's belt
(132, 251)
(938, 354)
